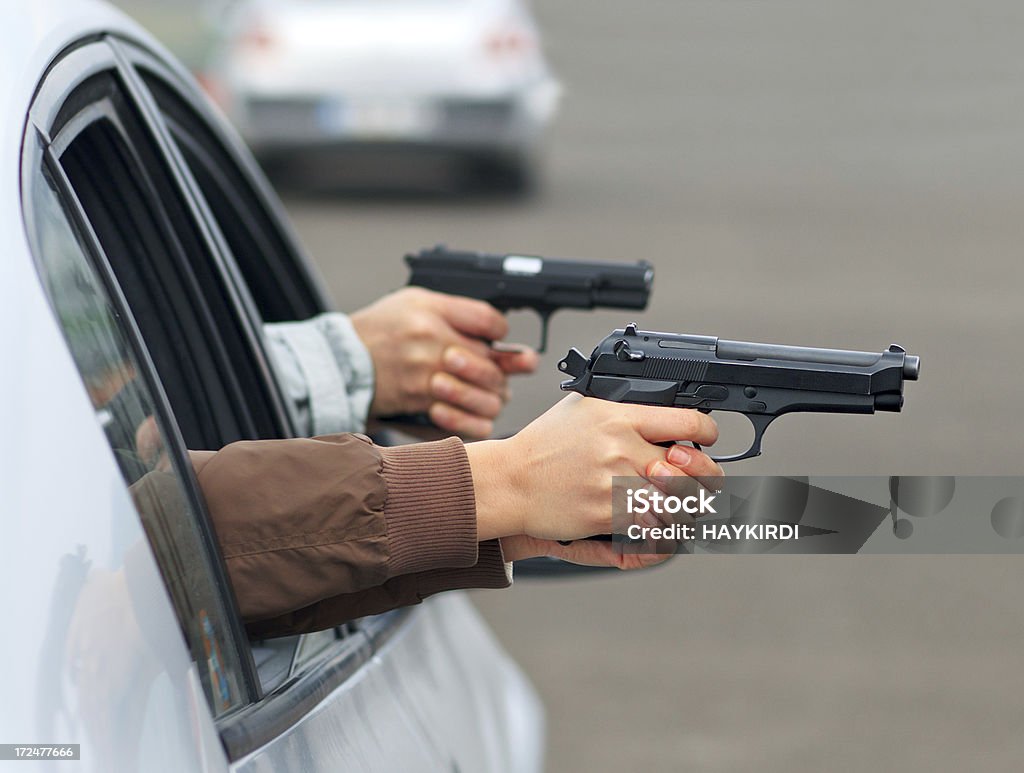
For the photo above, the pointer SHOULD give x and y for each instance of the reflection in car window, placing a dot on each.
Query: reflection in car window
(124, 408)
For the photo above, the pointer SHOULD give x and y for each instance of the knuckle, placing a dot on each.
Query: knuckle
(466, 424)
(440, 416)
(418, 295)
(423, 358)
(472, 367)
(498, 323)
(689, 422)
(420, 325)
(486, 314)
(614, 457)
(438, 383)
(448, 387)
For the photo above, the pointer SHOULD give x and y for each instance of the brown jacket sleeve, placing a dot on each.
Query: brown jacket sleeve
(318, 531)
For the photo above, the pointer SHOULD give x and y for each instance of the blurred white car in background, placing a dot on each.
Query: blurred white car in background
(466, 77)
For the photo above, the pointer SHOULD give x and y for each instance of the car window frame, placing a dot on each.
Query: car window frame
(281, 659)
(307, 683)
(267, 714)
(37, 153)
(247, 341)
(203, 373)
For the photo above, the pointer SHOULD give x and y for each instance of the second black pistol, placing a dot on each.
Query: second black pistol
(531, 282)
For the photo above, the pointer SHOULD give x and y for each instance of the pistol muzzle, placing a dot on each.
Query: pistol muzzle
(889, 401)
(911, 367)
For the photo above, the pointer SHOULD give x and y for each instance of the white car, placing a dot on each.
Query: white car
(463, 76)
(141, 252)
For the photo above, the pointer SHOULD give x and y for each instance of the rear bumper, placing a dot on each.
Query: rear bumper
(275, 125)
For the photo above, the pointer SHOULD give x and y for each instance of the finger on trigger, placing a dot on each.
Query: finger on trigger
(659, 424)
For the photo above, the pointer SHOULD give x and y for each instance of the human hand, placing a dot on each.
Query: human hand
(430, 355)
(679, 481)
(553, 480)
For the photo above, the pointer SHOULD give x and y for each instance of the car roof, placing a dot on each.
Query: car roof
(30, 41)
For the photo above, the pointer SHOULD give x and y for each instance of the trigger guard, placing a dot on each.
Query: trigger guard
(760, 422)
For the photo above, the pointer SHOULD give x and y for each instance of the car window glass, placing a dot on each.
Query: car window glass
(281, 287)
(137, 434)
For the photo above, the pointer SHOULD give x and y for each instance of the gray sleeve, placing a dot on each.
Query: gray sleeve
(325, 372)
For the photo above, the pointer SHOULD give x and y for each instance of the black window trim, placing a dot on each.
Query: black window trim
(231, 397)
(97, 54)
(230, 275)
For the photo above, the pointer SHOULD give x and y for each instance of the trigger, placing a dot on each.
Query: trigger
(544, 319)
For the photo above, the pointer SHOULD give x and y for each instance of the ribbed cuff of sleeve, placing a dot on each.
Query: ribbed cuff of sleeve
(430, 508)
(490, 571)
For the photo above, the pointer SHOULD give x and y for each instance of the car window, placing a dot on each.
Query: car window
(281, 286)
(210, 363)
(137, 427)
(165, 252)
(280, 282)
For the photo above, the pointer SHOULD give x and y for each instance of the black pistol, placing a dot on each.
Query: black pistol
(530, 282)
(761, 381)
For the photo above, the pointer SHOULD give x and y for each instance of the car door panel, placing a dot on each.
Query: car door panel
(438, 694)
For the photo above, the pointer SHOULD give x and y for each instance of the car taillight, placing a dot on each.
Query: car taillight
(256, 38)
(505, 43)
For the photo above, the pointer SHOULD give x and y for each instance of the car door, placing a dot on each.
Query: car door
(161, 194)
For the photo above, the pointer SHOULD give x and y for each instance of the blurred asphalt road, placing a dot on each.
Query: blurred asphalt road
(817, 173)
(827, 174)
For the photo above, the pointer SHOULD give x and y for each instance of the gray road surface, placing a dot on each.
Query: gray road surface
(819, 173)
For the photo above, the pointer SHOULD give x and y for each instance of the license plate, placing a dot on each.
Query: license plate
(375, 118)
